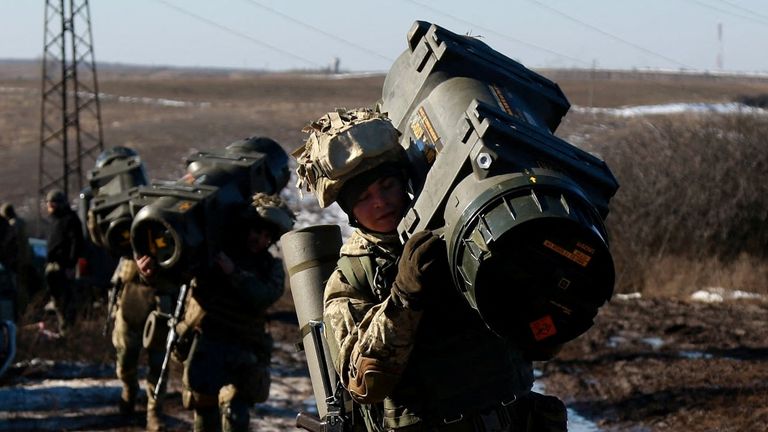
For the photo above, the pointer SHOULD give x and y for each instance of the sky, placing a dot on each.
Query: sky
(369, 35)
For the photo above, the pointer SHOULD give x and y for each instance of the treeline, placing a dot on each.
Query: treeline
(692, 209)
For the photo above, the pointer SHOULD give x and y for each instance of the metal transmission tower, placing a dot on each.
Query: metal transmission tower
(70, 128)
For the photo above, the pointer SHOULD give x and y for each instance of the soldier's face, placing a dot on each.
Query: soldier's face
(380, 207)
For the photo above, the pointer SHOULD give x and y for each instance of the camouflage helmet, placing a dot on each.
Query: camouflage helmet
(272, 210)
(341, 145)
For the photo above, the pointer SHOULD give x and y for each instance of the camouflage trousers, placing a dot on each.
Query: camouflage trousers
(222, 380)
(136, 302)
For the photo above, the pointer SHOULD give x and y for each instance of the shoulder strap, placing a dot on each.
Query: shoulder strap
(358, 270)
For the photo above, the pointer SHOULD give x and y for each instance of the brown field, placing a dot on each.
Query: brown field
(662, 363)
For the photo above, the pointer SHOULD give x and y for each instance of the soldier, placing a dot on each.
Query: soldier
(8, 296)
(226, 363)
(131, 299)
(9, 248)
(136, 300)
(65, 246)
(25, 276)
(406, 345)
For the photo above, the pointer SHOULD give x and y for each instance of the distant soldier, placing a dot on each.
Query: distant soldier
(65, 245)
(226, 361)
(8, 309)
(131, 299)
(8, 246)
(8, 267)
(136, 301)
(25, 279)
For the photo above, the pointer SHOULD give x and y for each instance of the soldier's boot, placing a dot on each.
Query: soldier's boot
(155, 421)
(234, 416)
(61, 323)
(127, 403)
(207, 419)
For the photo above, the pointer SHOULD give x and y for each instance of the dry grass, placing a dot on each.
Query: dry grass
(677, 276)
(693, 203)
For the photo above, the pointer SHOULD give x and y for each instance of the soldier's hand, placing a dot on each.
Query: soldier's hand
(424, 255)
(146, 265)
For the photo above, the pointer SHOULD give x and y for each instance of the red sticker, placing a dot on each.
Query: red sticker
(543, 328)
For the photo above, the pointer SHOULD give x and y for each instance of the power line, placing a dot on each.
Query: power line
(758, 18)
(317, 30)
(485, 29)
(237, 33)
(610, 35)
(757, 14)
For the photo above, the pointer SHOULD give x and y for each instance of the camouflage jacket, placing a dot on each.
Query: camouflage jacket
(411, 366)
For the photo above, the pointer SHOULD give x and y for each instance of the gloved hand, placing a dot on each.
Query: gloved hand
(424, 258)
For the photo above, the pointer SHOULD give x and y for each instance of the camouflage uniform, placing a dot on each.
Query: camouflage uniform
(440, 367)
(136, 301)
(419, 358)
(227, 368)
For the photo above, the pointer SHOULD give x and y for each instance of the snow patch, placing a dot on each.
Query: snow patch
(673, 108)
(154, 101)
(628, 296)
(720, 294)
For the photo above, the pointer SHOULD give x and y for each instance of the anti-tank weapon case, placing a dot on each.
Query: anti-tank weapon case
(522, 209)
(184, 223)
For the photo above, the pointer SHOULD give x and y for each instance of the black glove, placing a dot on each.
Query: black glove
(424, 258)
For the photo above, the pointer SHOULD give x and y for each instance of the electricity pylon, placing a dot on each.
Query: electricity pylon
(70, 127)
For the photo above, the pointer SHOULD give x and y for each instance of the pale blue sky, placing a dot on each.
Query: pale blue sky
(369, 35)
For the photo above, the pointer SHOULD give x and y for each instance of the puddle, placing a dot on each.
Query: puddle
(576, 423)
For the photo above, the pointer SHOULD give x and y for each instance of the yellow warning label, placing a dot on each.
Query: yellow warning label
(502, 100)
(160, 242)
(428, 125)
(578, 256)
(418, 131)
(185, 205)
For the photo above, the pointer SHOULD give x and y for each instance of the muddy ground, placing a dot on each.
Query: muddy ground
(664, 364)
(655, 363)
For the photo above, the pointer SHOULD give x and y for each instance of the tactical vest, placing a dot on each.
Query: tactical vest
(212, 308)
(441, 381)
